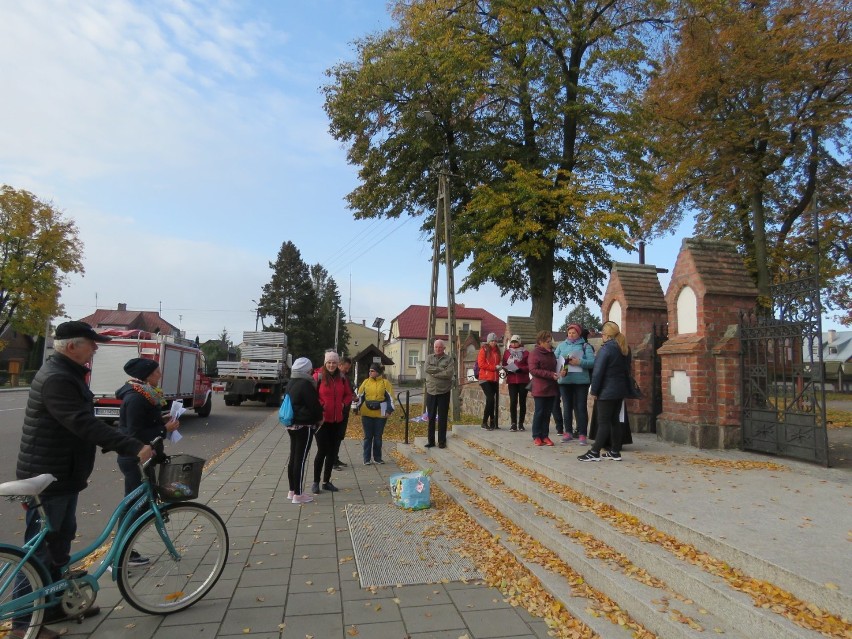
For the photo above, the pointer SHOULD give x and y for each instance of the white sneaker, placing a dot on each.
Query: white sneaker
(291, 494)
(304, 498)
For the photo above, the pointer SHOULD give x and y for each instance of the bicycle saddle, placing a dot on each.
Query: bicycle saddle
(26, 487)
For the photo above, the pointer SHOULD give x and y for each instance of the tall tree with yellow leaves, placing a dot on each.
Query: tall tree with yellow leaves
(38, 249)
(750, 114)
(527, 104)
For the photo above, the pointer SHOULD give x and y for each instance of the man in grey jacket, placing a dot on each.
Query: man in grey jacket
(60, 437)
(440, 370)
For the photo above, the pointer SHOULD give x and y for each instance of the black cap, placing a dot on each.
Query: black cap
(375, 366)
(140, 368)
(70, 330)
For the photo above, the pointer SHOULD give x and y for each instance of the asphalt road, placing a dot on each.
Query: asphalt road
(204, 438)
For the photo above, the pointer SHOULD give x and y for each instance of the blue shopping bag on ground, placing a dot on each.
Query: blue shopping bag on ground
(411, 490)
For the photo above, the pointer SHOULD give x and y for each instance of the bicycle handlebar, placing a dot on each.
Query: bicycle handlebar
(153, 445)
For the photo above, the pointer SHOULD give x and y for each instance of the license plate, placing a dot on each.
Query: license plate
(106, 412)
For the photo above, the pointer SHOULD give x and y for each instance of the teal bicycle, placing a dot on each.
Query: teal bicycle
(186, 544)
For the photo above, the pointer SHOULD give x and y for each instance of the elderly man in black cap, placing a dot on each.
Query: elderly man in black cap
(60, 436)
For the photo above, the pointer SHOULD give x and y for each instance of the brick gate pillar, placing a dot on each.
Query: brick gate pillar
(701, 377)
(634, 300)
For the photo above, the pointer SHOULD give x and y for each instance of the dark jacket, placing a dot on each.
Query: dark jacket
(542, 368)
(609, 376)
(61, 433)
(138, 417)
(335, 393)
(307, 410)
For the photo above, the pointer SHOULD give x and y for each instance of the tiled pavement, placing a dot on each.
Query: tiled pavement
(290, 572)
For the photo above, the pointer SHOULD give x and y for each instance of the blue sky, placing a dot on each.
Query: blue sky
(187, 140)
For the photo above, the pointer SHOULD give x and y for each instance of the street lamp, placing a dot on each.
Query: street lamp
(377, 324)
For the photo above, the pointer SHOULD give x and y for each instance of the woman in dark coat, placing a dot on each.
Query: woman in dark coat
(544, 387)
(307, 416)
(141, 417)
(610, 386)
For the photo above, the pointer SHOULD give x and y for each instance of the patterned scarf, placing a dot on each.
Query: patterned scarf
(153, 394)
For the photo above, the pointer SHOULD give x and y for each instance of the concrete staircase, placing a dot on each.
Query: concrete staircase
(608, 555)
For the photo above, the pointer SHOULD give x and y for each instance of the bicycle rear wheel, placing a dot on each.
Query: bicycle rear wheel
(165, 584)
(27, 622)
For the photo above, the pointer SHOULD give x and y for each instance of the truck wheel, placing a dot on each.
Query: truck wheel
(204, 411)
(230, 402)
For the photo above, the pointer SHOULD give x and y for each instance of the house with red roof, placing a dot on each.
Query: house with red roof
(122, 319)
(406, 343)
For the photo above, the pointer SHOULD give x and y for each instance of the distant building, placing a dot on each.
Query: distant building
(837, 359)
(360, 337)
(122, 319)
(409, 331)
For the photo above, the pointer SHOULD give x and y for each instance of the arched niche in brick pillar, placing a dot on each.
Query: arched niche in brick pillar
(634, 300)
(700, 363)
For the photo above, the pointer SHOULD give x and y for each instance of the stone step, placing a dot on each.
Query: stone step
(683, 597)
(445, 469)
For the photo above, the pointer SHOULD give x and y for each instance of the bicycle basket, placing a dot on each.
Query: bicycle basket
(179, 477)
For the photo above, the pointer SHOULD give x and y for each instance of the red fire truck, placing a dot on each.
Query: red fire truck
(181, 362)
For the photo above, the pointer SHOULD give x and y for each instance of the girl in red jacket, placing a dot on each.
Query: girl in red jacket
(489, 376)
(335, 394)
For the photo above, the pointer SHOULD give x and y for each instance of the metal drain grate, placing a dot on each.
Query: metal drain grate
(396, 546)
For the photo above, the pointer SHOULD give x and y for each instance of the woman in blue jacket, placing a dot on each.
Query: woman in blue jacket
(610, 385)
(574, 382)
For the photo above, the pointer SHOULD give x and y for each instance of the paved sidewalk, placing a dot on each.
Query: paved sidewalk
(290, 572)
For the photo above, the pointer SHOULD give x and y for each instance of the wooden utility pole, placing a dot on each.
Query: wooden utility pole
(443, 230)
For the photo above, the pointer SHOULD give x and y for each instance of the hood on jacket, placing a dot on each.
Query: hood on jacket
(123, 391)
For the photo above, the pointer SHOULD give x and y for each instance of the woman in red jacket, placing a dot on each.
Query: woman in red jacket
(335, 394)
(489, 376)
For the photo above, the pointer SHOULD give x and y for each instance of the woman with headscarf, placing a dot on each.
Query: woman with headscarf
(375, 397)
(141, 416)
(307, 416)
(610, 385)
(489, 376)
(335, 394)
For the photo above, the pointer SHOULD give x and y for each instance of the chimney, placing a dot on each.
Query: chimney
(122, 306)
(832, 335)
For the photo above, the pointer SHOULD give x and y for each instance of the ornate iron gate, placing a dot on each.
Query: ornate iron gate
(782, 372)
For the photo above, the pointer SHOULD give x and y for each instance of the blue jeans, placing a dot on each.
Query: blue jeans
(574, 397)
(541, 416)
(373, 429)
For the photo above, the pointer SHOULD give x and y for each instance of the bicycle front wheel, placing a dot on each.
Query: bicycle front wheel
(26, 622)
(166, 584)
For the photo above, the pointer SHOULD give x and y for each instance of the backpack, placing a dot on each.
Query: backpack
(476, 370)
(285, 413)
